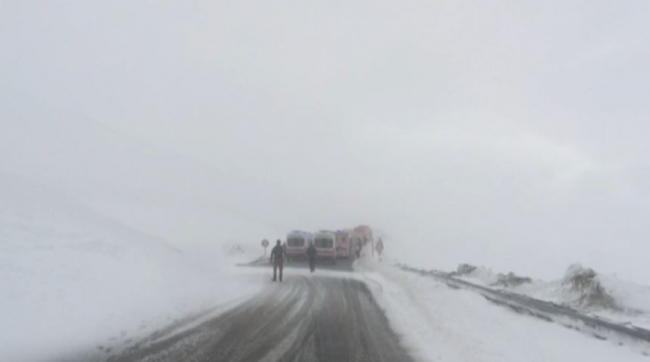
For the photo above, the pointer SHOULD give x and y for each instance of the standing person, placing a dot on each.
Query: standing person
(311, 256)
(277, 259)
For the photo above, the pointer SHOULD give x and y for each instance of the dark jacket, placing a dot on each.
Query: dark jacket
(277, 254)
(311, 251)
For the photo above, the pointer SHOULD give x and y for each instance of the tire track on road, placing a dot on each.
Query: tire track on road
(319, 319)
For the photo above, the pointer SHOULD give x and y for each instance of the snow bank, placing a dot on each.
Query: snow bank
(444, 324)
(581, 288)
(73, 280)
(487, 277)
(585, 289)
(210, 256)
(590, 292)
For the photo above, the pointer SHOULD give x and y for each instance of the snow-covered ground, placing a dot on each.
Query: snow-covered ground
(439, 323)
(72, 280)
(583, 289)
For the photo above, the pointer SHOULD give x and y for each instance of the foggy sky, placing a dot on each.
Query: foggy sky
(508, 134)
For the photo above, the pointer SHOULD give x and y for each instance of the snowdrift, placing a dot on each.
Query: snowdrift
(580, 288)
(583, 289)
(487, 277)
(73, 280)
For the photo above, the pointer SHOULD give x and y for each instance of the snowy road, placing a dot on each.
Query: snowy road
(306, 318)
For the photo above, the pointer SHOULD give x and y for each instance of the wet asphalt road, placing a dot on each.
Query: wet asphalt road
(305, 318)
(340, 265)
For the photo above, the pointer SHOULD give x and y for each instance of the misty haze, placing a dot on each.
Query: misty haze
(324, 181)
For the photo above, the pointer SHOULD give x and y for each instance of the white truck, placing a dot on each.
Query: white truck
(297, 243)
(325, 243)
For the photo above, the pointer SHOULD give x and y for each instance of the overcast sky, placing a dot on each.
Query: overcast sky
(511, 134)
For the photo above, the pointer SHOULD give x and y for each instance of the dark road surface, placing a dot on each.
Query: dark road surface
(305, 318)
(340, 265)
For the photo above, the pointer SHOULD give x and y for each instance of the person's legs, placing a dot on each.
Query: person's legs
(281, 266)
(275, 270)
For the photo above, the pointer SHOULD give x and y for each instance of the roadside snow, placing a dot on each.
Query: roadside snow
(607, 297)
(75, 282)
(477, 274)
(442, 324)
(583, 289)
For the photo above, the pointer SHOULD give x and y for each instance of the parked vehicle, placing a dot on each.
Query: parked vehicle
(344, 247)
(297, 243)
(325, 242)
(330, 246)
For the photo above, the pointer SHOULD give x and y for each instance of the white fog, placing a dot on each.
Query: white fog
(507, 135)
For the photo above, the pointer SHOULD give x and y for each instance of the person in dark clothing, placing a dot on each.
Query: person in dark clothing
(311, 256)
(277, 259)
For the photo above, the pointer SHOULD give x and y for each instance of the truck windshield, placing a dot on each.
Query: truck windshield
(324, 243)
(295, 242)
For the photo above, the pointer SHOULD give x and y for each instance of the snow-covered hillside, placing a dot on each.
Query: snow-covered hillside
(153, 189)
(72, 279)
